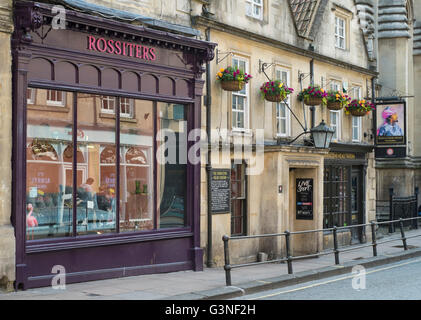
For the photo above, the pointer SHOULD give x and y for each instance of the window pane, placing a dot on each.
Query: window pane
(108, 104)
(238, 200)
(172, 167)
(136, 170)
(96, 168)
(49, 173)
(248, 9)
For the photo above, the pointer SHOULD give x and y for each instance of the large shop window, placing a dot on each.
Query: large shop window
(81, 187)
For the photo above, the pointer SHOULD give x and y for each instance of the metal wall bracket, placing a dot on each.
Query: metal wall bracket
(218, 53)
(263, 66)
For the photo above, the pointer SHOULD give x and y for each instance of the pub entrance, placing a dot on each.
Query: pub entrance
(344, 194)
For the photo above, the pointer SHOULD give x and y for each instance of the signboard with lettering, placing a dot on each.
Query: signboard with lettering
(304, 199)
(220, 190)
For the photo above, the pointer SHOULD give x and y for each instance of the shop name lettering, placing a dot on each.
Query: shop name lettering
(304, 186)
(121, 48)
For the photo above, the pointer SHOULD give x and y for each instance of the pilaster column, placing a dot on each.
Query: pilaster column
(7, 236)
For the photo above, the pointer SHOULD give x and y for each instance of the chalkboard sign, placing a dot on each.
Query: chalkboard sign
(304, 199)
(220, 190)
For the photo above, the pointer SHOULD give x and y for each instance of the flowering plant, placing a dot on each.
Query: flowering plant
(336, 96)
(362, 106)
(232, 74)
(314, 91)
(275, 88)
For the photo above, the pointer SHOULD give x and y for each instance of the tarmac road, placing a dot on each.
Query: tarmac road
(397, 281)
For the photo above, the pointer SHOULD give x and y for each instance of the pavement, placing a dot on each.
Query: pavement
(209, 284)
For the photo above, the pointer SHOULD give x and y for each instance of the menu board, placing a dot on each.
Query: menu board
(220, 190)
(304, 199)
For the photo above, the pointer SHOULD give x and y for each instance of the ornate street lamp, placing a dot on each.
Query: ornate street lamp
(322, 135)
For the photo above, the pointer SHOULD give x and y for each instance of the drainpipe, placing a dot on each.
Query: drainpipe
(312, 108)
(373, 100)
(208, 103)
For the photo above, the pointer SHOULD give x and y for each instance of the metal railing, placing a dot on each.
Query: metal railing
(336, 251)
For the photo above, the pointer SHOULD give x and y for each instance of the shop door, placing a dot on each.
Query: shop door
(356, 205)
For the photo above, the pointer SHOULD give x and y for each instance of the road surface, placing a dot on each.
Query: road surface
(397, 281)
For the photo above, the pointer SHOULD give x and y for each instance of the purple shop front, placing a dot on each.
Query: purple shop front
(99, 108)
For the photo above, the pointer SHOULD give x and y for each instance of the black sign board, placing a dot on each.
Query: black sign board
(390, 152)
(220, 190)
(304, 199)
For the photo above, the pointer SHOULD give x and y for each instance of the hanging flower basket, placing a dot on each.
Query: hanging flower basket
(313, 101)
(275, 91)
(336, 105)
(232, 79)
(337, 100)
(275, 98)
(313, 96)
(232, 85)
(358, 112)
(359, 108)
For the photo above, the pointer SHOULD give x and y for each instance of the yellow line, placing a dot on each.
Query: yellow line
(334, 280)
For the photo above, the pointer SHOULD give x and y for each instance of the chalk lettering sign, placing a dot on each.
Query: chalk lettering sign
(304, 199)
(220, 190)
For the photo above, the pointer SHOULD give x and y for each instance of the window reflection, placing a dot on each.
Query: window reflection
(172, 166)
(97, 168)
(136, 169)
(49, 174)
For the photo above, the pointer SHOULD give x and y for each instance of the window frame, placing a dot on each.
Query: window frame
(118, 102)
(243, 198)
(336, 85)
(31, 100)
(338, 36)
(252, 4)
(356, 95)
(56, 103)
(278, 105)
(131, 106)
(246, 96)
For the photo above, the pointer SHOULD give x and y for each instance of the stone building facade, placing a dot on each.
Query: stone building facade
(288, 39)
(397, 49)
(295, 41)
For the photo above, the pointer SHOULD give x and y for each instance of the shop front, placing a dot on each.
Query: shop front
(102, 185)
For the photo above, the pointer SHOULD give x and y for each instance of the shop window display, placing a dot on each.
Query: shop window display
(151, 195)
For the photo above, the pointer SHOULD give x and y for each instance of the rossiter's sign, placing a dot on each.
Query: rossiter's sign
(121, 48)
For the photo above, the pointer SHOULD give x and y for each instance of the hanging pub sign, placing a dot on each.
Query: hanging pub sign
(390, 123)
(220, 190)
(304, 199)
